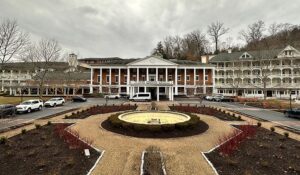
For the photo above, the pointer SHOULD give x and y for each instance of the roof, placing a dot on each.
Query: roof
(262, 54)
(65, 76)
(95, 59)
(23, 66)
(189, 62)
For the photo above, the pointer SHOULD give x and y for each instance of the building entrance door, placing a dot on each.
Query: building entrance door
(269, 93)
(240, 92)
(152, 90)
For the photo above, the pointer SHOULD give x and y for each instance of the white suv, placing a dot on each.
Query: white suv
(112, 96)
(30, 105)
(55, 101)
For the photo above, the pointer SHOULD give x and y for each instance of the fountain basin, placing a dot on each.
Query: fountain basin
(154, 117)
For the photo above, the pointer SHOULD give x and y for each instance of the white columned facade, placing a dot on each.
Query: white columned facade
(91, 83)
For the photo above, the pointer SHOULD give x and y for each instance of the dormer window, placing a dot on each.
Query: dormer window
(245, 55)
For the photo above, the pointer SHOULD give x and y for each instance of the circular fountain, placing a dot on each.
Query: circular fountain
(154, 117)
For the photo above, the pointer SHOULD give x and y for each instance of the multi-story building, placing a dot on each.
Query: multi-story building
(62, 78)
(160, 77)
(251, 73)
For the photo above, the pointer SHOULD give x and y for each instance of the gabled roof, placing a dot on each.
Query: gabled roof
(152, 60)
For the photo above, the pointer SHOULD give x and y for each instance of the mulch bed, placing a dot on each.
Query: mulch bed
(152, 163)
(99, 110)
(206, 111)
(264, 153)
(200, 128)
(42, 151)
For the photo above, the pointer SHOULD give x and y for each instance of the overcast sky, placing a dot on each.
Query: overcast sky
(131, 28)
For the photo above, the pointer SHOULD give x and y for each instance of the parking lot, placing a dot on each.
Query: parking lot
(28, 117)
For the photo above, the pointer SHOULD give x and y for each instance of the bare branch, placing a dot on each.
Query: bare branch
(216, 30)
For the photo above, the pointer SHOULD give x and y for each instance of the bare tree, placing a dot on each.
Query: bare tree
(216, 30)
(41, 57)
(12, 40)
(254, 33)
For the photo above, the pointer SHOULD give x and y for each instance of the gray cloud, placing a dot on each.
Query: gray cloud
(132, 28)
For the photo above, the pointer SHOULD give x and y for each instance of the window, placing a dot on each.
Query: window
(188, 78)
(125, 78)
(161, 77)
(143, 78)
(99, 78)
(197, 77)
(170, 78)
(221, 91)
(179, 77)
(134, 77)
(117, 78)
(152, 77)
(259, 92)
(230, 91)
(206, 77)
(107, 78)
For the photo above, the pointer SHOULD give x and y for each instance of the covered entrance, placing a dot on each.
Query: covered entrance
(156, 88)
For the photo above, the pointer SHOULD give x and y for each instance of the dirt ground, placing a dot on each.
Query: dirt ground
(123, 153)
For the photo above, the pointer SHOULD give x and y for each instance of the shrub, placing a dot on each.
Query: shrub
(3, 140)
(258, 124)
(272, 129)
(168, 127)
(49, 123)
(139, 127)
(23, 131)
(239, 117)
(286, 134)
(154, 128)
(37, 126)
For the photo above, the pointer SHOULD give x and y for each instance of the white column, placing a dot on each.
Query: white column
(128, 76)
(185, 81)
(157, 91)
(91, 83)
(176, 78)
(156, 74)
(101, 79)
(214, 80)
(109, 76)
(204, 86)
(119, 78)
(138, 75)
(195, 76)
(166, 74)
(127, 84)
(147, 74)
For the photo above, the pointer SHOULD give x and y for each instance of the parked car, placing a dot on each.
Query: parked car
(30, 105)
(112, 96)
(209, 97)
(7, 110)
(294, 113)
(297, 100)
(141, 97)
(54, 102)
(78, 99)
(217, 97)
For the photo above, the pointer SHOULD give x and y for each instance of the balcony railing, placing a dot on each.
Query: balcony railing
(151, 83)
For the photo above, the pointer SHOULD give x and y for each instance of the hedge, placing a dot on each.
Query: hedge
(190, 124)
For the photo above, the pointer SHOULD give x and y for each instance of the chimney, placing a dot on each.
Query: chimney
(73, 60)
(229, 50)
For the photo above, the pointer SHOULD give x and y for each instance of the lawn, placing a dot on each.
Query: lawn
(16, 100)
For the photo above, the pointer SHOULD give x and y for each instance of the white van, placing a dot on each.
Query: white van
(146, 96)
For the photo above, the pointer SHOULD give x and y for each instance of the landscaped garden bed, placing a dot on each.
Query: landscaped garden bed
(48, 149)
(221, 114)
(152, 162)
(188, 128)
(100, 110)
(256, 151)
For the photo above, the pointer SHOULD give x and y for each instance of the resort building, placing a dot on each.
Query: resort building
(251, 73)
(160, 77)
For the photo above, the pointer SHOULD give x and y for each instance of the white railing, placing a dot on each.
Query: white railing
(151, 83)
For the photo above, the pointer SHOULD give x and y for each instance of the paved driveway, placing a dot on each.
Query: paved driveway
(265, 114)
(27, 117)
